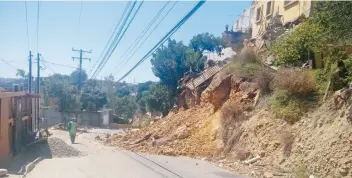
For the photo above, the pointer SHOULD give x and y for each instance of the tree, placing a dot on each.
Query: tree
(21, 73)
(170, 62)
(124, 107)
(159, 98)
(334, 17)
(74, 77)
(109, 78)
(93, 100)
(58, 90)
(206, 42)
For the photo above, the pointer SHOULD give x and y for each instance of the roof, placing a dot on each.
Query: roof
(204, 76)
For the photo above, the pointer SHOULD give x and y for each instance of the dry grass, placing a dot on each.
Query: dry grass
(245, 64)
(298, 83)
(265, 80)
(287, 139)
(232, 113)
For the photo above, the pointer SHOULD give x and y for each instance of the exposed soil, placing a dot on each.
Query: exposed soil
(258, 145)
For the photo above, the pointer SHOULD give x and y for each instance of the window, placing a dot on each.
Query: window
(268, 8)
(287, 2)
(259, 14)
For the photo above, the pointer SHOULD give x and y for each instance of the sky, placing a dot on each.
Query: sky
(59, 29)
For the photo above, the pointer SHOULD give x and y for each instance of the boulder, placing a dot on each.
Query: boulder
(248, 86)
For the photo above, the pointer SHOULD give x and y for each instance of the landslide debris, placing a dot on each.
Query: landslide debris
(232, 133)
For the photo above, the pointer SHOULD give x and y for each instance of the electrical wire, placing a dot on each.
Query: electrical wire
(118, 38)
(25, 5)
(38, 26)
(122, 35)
(138, 39)
(47, 67)
(62, 65)
(121, 66)
(7, 63)
(171, 32)
(112, 34)
(78, 23)
(116, 41)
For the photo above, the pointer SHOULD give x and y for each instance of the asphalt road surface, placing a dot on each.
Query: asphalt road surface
(105, 162)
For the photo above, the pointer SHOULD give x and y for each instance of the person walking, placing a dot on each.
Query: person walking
(72, 129)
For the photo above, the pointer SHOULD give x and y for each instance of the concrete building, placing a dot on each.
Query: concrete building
(244, 21)
(281, 12)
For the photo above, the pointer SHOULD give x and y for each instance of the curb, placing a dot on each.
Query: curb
(30, 166)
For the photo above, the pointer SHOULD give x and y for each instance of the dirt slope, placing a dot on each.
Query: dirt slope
(320, 144)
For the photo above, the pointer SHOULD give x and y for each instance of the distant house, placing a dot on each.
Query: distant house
(244, 21)
(225, 55)
(285, 13)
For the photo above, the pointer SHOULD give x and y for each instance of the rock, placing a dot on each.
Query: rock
(343, 171)
(204, 159)
(268, 175)
(253, 160)
(311, 176)
(221, 165)
(248, 86)
(3, 172)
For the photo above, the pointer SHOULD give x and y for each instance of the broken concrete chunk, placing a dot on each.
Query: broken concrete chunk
(3, 172)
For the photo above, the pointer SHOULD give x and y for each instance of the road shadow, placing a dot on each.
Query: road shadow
(28, 155)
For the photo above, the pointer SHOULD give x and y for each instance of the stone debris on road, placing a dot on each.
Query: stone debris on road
(60, 149)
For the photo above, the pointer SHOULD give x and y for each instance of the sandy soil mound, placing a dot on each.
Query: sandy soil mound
(188, 132)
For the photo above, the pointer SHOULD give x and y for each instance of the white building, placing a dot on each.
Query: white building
(244, 21)
(225, 54)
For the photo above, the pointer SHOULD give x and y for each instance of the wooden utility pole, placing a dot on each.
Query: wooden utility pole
(30, 73)
(80, 64)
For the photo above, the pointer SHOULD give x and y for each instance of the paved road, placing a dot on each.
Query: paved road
(105, 162)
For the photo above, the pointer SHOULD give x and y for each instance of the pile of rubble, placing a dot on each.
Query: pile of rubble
(259, 145)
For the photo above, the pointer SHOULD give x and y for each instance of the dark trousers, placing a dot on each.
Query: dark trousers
(72, 137)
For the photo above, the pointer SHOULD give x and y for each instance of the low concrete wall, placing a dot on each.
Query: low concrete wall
(52, 115)
(91, 118)
(94, 119)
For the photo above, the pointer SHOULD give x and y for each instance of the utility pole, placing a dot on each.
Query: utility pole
(30, 73)
(80, 64)
(38, 74)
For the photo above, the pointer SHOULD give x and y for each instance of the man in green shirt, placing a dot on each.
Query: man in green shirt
(72, 129)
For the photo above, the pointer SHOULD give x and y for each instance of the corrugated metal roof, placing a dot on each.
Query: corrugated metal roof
(204, 76)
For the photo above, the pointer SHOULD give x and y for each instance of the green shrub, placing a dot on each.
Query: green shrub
(287, 107)
(293, 48)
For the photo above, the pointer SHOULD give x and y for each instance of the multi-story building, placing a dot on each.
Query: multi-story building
(283, 12)
(244, 21)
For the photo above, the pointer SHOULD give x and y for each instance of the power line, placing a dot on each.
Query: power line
(118, 39)
(25, 5)
(62, 65)
(171, 32)
(7, 63)
(145, 39)
(138, 39)
(78, 23)
(47, 67)
(112, 34)
(38, 27)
